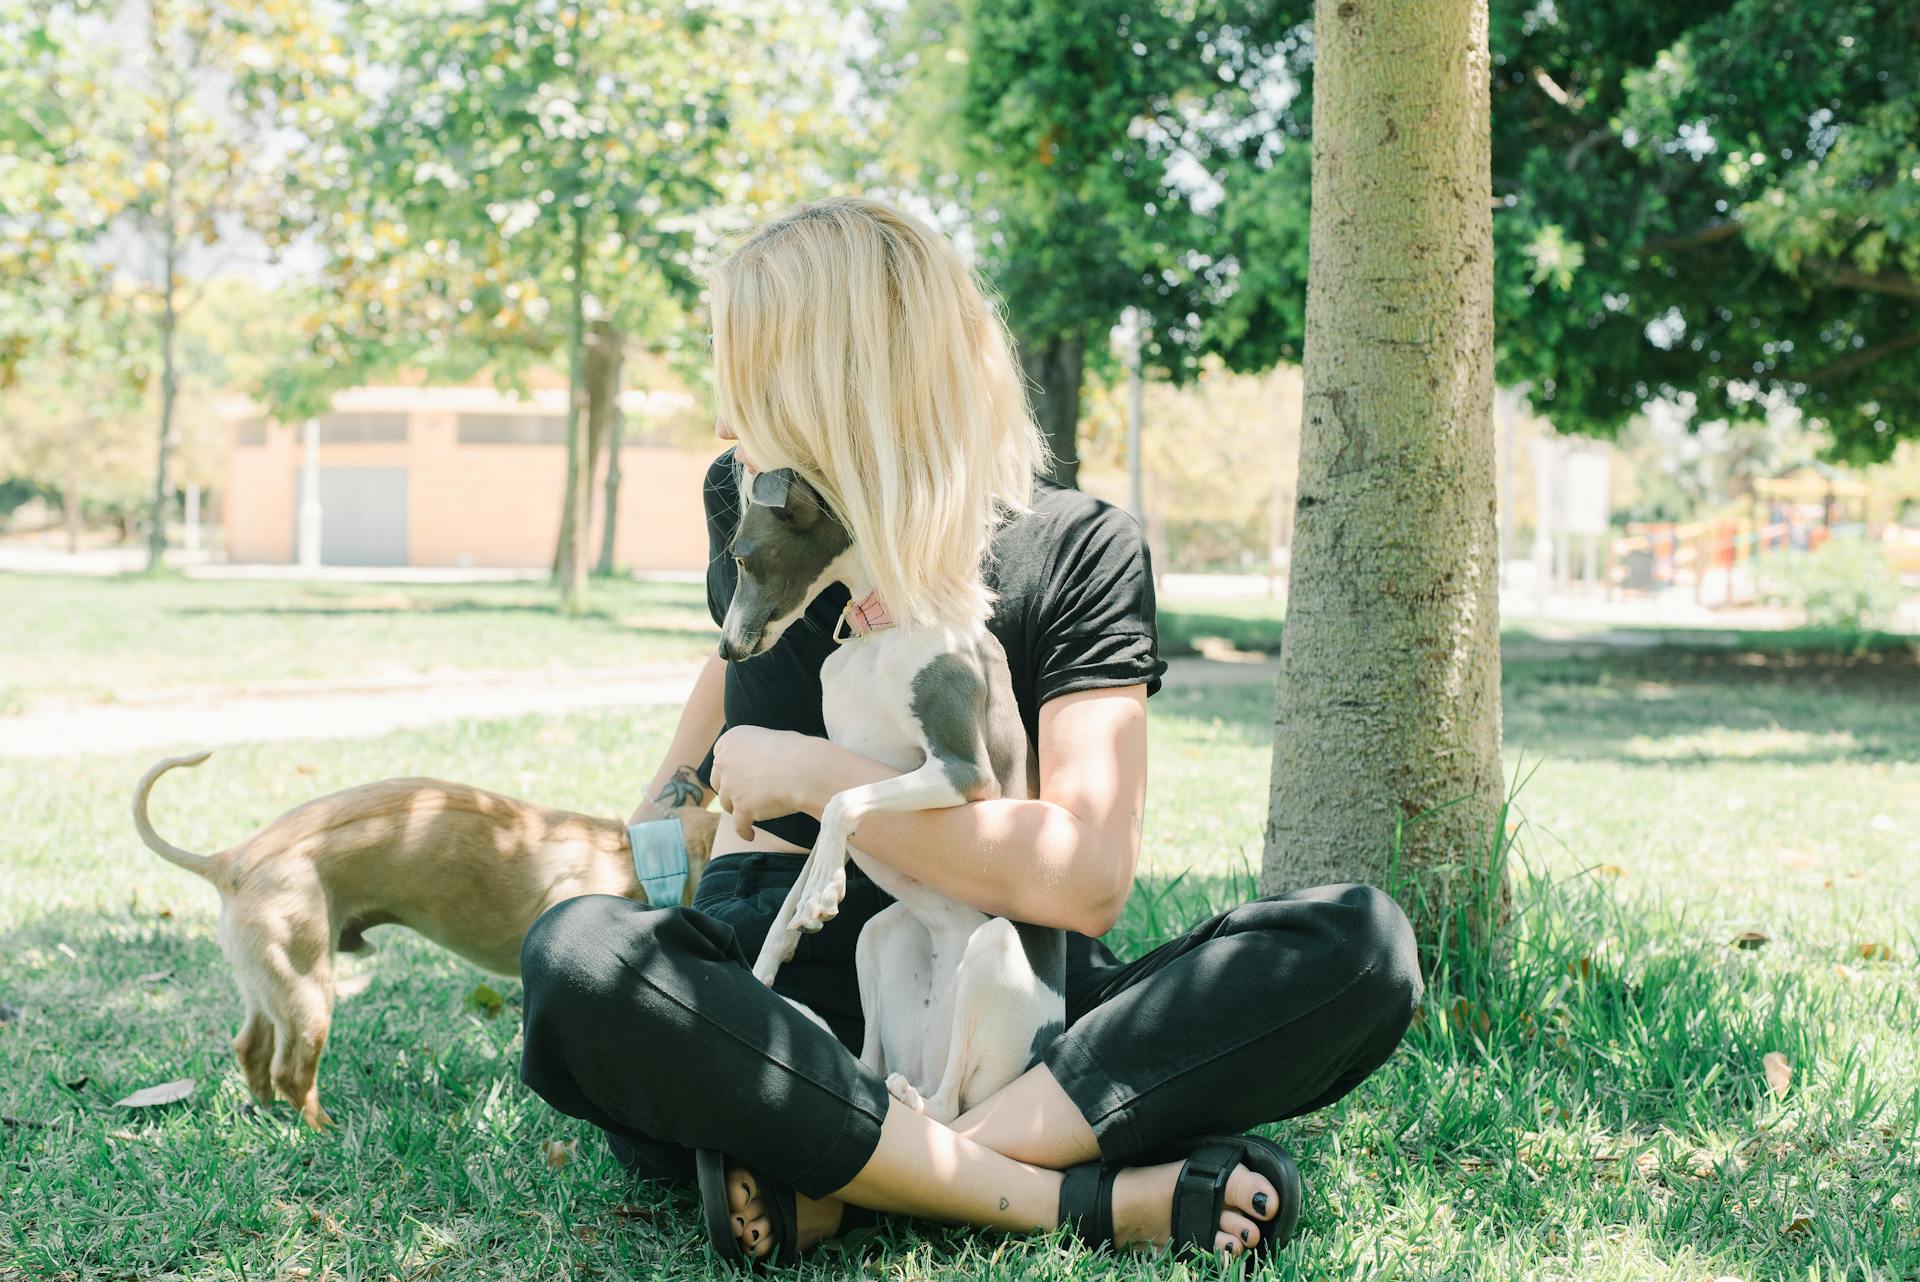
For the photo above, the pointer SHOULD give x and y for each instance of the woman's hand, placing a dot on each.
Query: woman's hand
(762, 774)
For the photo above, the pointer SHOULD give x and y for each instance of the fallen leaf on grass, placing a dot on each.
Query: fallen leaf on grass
(1778, 1071)
(154, 1096)
(559, 1153)
(1798, 1224)
(634, 1211)
(1748, 939)
(78, 1083)
(486, 999)
(1876, 952)
(587, 1233)
(1611, 870)
(303, 769)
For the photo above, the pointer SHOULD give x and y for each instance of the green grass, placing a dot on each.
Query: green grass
(1254, 625)
(1591, 1105)
(112, 638)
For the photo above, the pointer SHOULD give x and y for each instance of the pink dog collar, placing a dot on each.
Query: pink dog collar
(862, 617)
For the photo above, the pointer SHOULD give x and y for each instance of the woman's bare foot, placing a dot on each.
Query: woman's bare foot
(1143, 1207)
(1142, 1210)
(753, 1227)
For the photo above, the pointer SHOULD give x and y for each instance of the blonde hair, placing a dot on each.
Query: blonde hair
(852, 344)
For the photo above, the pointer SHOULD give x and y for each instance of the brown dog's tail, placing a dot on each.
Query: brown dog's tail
(201, 864)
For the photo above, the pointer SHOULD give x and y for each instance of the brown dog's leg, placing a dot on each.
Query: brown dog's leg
(253, 1047)
(296, 1057)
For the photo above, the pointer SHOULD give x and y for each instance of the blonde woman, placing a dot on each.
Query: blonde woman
(852, 344)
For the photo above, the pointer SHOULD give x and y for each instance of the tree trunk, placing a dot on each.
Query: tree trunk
(70, 507)
(1053, 365)
(570, 557)
(1386, 762)
(605, 357)
(169, 378)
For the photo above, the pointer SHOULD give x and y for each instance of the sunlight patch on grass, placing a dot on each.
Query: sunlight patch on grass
(1728, 742)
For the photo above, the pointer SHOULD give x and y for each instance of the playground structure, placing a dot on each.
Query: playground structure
(1797, 511)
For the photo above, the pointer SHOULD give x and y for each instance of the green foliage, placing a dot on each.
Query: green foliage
(451, 159)
(1728, 194)
(1845, 585)
(1089, 141)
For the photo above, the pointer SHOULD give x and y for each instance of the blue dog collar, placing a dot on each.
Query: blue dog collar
(660, 860)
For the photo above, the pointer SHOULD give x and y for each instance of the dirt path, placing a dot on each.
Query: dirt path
(361, 710)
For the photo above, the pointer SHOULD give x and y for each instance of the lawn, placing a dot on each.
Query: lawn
(101, 639)
(1591, 1105)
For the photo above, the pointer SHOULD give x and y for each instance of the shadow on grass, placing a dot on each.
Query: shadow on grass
(1600, 1031)
(1661, 706)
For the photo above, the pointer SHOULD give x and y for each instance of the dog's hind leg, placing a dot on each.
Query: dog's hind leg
(302, 1036)
(253, 1047)
(894, 965)
(1000, 1012)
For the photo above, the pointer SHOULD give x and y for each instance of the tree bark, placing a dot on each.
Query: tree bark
(605, 357)
(570, 557)
(70, 506)
(1053, 366)
(169, 329)
(1386, 763)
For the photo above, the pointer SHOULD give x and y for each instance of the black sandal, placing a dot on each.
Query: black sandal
(710, 1168)
(1199, 1193)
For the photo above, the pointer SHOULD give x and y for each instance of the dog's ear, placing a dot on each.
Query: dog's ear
(805, 507)
(790, 497)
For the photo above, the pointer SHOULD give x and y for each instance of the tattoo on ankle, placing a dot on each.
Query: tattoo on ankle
(1003, 1203)
(683, 788)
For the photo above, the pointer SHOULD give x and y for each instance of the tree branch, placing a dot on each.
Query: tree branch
(1712, 234)
(1861, 359)
(1896, 283)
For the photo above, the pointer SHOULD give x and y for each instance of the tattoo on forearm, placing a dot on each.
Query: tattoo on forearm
(683, 788)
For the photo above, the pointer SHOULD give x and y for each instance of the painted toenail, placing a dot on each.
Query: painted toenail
(1244, 1235)
(756, 1235)
(1260, 1204)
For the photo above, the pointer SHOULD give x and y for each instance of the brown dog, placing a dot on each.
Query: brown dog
(471, 870)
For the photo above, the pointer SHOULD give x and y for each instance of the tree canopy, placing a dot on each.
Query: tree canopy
(1718, 204)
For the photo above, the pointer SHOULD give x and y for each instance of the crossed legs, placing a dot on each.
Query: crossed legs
(1269, 1010)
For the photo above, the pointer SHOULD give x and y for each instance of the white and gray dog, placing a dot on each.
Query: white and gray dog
(957, 1003)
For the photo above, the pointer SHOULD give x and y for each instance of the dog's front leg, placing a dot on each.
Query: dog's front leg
(930, 787)
(783, 936)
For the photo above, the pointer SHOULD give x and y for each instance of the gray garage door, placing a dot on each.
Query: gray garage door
(363, 515)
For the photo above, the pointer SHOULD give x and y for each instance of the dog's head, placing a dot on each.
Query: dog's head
(789, 546)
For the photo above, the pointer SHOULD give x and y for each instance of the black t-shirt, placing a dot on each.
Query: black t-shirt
(1074, 611)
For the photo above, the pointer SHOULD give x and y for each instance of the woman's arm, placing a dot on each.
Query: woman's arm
(677, 782)
(1066, 859)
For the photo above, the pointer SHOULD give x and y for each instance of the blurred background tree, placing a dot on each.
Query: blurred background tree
(1087, 146)
(527, 183)
(144, 156)
(1714, 205)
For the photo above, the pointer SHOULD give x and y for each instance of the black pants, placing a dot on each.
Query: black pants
(648, 1023)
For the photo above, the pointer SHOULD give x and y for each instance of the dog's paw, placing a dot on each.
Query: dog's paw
(823, 903)
(901, 1089)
